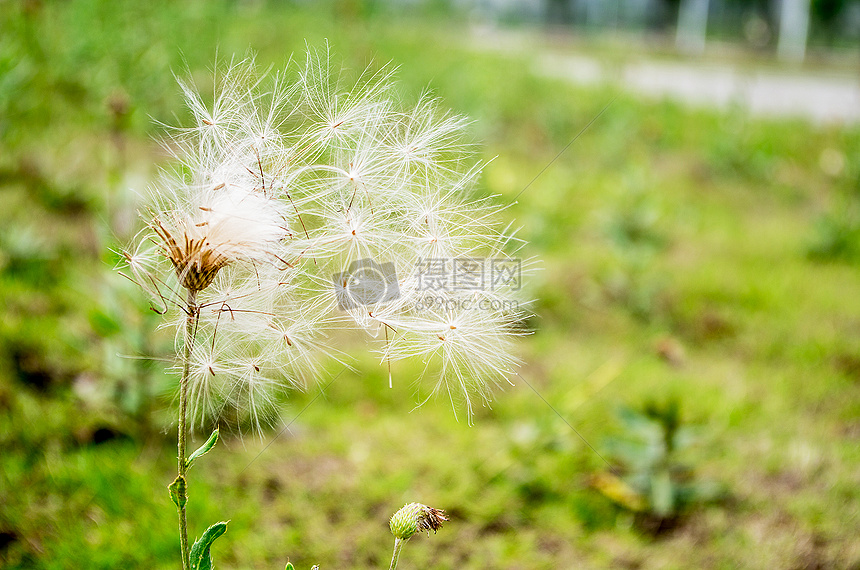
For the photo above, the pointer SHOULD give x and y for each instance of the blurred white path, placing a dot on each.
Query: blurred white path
(818, 97)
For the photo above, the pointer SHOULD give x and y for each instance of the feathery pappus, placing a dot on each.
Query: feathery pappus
(299, 204)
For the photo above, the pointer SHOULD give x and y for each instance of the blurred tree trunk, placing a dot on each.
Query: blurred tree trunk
(559, 12)
(692, 26)
(793, 29)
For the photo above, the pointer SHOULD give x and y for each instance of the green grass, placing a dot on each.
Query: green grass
(659, 223)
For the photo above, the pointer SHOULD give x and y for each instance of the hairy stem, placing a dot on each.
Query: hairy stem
(188, 345)
(398, 546)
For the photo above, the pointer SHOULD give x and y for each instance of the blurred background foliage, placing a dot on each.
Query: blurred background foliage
(704, 259)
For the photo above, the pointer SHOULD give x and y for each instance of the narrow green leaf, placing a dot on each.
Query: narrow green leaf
(201, 559)
(178, 491)
(203, 449)
(662, 494)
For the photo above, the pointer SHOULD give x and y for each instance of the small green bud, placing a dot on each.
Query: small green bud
(414, 518)
(404, 523)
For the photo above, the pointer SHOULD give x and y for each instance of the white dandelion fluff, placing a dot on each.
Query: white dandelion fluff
(300, 205)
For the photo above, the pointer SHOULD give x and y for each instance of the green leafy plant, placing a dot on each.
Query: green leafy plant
(654, 484)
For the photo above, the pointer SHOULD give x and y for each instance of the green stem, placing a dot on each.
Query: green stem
(188, 344)
(398, 546)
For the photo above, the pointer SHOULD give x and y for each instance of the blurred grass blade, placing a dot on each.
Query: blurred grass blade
(662, 494)
(617, 490)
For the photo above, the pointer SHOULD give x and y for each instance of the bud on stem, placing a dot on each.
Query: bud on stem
(411, 519)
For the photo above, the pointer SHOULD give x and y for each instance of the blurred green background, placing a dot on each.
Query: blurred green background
(697, 316)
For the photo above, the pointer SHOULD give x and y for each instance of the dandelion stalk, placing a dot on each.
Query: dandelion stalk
(190, 319)
(398, 546)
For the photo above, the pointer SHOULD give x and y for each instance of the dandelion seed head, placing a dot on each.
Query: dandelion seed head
(286, 180)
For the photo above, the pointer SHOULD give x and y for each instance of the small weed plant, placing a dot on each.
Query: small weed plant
(655, 485)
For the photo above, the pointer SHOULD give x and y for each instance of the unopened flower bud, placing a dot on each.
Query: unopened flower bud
(414, 518)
